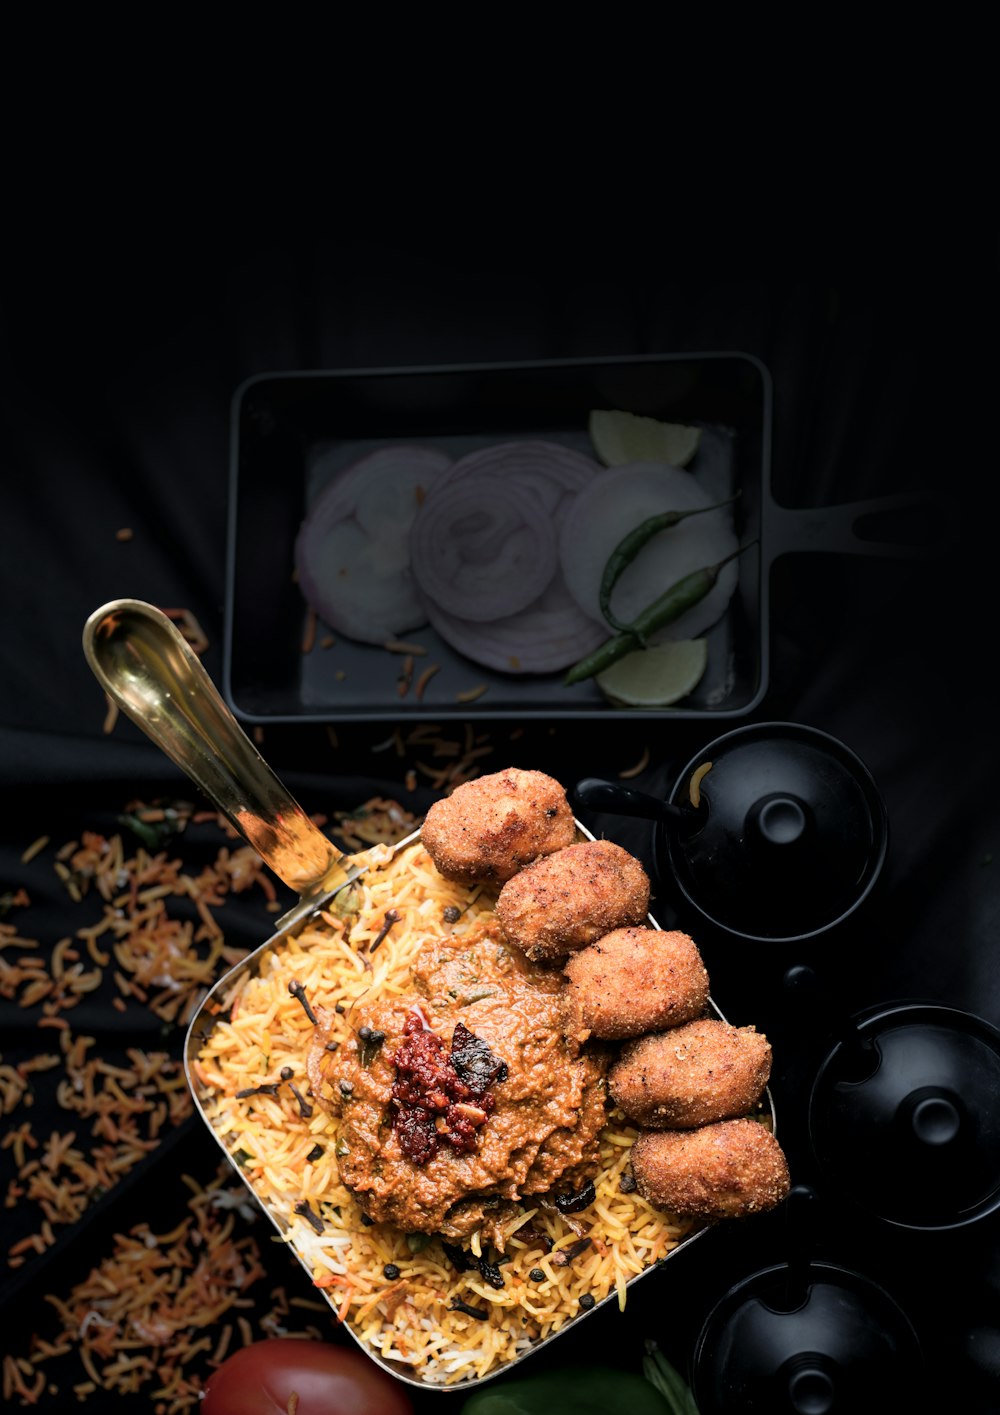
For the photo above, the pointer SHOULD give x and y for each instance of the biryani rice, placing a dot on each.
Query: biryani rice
(408, 1319)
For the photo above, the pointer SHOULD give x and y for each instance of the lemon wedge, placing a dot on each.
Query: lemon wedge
(657, 676)
(620, 437)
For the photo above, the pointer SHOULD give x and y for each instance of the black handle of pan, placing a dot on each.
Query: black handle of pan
(609, 796)
(837, 529)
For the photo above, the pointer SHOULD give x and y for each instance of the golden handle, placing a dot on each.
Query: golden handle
(147, 667)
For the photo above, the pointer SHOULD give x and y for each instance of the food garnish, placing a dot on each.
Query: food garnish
(352, 551)
(431, 1086)
(391, 917)
(610, 510)
(299, 993)
(485, 551)
(630, 545)
(304, 1208)
(502, 550)
(658, 676)
(621, 437)
(483, 548)
(680, 597)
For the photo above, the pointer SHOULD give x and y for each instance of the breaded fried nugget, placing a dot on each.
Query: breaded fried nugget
(637, 980)
(726, 1170)
(692, 1075)
(490, 828)
(571, 898)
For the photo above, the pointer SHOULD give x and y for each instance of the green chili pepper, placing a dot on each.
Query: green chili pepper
(670, 606)
(628, 548)
(593, 1390)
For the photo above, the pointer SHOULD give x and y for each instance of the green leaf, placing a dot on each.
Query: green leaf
(575, 1390)
(476, 996)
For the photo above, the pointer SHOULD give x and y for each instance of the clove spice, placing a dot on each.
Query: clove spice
(480, 1313)
(304, 1208)
(299, 993)
(391, 917)
(566, 1255)
(305, 1109)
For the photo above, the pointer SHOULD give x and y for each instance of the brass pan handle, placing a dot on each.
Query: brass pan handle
(147, 667)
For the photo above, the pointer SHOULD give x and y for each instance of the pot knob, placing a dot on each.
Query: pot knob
(935, 1117)
(778, 821)
(811, 1383)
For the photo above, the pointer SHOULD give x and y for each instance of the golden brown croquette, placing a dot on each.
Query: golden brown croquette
(571, 898)
(692, 1075)
(726, 1170)
(637, 980)
(490, 828)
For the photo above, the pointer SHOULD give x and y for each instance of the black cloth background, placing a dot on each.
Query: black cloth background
(120, 353)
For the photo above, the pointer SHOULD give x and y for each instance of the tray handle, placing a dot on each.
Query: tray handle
(147, 667)
(833, 529)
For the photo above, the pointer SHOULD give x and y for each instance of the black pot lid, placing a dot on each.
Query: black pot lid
(812, 1340)
(904, 1116)
(790, 835)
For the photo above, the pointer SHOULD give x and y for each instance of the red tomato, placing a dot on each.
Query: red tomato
(328, 1379)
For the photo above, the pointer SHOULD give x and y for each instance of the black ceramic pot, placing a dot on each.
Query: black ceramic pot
(805, 1337)
(904, 1116)
(809, 1341)
(775, 833)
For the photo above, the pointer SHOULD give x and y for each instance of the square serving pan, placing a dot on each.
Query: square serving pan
(200, 1027)
(280, 422)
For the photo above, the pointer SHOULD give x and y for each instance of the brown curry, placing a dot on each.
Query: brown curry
(459, 1098)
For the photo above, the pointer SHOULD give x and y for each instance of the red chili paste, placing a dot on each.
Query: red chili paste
(441, 1096)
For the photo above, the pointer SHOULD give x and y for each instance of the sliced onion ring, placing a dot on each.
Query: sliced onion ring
(549, 635)
(353, 565)
(484, 543)
(483, 551)
(554, 472)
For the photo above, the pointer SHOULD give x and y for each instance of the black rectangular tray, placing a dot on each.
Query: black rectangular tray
(278, 420)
